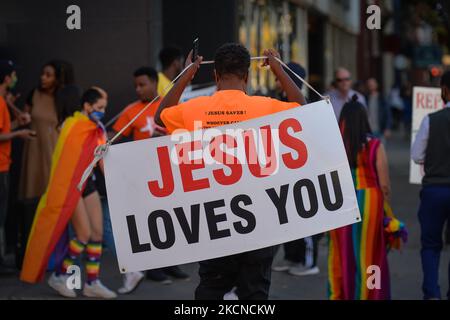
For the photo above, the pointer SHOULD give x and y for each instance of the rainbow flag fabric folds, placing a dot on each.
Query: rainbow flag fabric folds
(73, 152)
(354, 250)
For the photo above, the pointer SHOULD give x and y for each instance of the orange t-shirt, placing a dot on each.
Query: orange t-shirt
(144, 125)
(5, 128)
(222, 108)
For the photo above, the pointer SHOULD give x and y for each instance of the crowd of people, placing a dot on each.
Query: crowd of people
(57, 122)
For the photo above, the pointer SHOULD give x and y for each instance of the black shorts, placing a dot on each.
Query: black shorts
(90, 188)
(249, 272)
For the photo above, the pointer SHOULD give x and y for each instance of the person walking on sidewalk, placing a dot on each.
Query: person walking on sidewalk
(342, 91)
(8, 79)
(432, 149)
(300, 256)
(146, 85)
(53, 100)
(378, 111)
(81, 134)
(352, 249)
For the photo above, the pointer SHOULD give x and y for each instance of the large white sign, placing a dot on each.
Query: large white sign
(425, 101)
(205, 194)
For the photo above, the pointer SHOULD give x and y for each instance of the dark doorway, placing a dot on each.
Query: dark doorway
(316, 49)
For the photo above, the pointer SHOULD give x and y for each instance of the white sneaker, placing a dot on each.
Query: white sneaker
(97, 290)
(59, 283)
(301, 270)
(131, 281)
(231, 295)
(283, 265)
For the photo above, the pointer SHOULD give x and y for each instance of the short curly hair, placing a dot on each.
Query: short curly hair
(146, 71)
(168, 55)
(232, 58)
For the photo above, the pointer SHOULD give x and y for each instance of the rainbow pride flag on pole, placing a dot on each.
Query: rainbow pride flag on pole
(73, 152)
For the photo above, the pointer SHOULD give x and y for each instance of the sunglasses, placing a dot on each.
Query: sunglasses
(342, 79)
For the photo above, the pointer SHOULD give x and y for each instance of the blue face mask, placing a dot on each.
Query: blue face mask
(97, 115)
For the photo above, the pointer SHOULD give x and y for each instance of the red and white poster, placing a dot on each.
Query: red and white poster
(209, 193)
(425, 101)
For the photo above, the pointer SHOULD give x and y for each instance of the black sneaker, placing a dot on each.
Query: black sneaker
(176, 272)
(158, 275)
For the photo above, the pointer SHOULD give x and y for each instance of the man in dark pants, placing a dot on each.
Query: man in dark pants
(432, 149)
(248, 273)
(300, 257)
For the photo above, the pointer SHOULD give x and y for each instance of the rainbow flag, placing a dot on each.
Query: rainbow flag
(73, 152)
(356, 248)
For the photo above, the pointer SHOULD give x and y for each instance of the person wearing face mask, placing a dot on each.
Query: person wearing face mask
(53, 100)
(8, 80)
(431, 149)
(74, 151)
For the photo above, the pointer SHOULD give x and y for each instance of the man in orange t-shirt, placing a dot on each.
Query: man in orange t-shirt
(144, 127)
(245, 275)
(7, 81)
(146, 84)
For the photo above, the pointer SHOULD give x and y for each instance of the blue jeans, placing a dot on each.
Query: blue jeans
(108, 238)
(433, 212)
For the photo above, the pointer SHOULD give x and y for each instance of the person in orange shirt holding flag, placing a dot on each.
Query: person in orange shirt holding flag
(245, 275)
(63, 202)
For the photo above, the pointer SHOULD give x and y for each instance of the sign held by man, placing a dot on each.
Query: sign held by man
(209, 193)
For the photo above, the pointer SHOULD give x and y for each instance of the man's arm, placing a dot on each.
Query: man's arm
(419, 146)
(22, 117)
(293, 92)
(7, 136)
(383, 172)
(173, 96)
(24, 133)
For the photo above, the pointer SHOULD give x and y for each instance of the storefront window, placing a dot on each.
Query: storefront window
(267, 24)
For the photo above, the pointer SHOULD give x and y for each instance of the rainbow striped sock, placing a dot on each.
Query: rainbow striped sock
(94, 252)
(76, 248)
